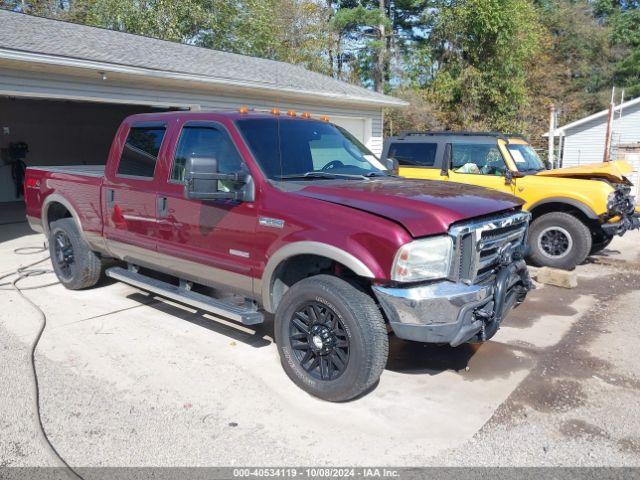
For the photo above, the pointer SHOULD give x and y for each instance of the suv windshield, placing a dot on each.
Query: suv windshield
(525, 158)
(288, 148)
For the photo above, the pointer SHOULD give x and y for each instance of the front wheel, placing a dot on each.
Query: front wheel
(331, 337)
(559, 240)
(600, 241)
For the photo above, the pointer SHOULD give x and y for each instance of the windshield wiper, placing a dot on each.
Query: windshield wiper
(376, 174)
(314, 175)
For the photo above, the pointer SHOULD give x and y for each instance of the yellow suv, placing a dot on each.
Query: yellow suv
(575, 211)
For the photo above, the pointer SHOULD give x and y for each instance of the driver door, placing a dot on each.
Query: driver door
(479, 164)
(208, 241)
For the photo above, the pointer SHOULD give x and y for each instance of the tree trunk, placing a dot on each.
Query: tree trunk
(379, 70)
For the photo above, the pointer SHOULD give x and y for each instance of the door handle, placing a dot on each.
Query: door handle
(111, 197)
(162, 206)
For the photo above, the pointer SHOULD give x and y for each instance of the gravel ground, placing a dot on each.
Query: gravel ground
(129, 380)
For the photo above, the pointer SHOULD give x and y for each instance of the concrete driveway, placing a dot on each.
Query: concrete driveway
(131, 379)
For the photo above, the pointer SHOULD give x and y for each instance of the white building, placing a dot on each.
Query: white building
(64, 88)
(582, 141)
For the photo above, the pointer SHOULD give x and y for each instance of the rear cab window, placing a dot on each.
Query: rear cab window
(420, 154)
(140, 152)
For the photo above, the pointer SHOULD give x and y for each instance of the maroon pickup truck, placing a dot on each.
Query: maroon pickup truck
(245, 213)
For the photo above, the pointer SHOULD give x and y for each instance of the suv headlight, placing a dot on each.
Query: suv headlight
(425, 259)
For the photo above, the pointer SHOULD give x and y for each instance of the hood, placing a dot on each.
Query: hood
(612, 171)
(423, 207)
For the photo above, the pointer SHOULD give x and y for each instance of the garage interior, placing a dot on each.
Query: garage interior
(56, 132)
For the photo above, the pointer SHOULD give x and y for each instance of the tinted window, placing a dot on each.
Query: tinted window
(140, 151)
(414, 154)
(480, 159)
(287, 147)
(205, 141)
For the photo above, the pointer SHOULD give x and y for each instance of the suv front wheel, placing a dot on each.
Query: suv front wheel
(331, 336)
(559, 240)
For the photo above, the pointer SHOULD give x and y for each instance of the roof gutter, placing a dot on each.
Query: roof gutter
(69, 62)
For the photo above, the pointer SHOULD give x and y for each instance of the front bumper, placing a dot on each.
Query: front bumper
(454, 313)
(623, 225)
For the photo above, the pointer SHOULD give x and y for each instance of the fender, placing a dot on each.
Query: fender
(569, 201)
(307, 248)
(96, 242)
(55, 197)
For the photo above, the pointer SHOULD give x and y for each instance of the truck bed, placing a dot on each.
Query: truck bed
(76, 187)
(90, 170)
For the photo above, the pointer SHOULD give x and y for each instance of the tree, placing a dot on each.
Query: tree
(623, 17)
(371, 37)
(481, 50)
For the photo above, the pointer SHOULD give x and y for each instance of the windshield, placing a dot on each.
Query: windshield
(525, 158)
(287, 148)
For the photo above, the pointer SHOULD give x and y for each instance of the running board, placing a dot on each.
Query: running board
(238, 313)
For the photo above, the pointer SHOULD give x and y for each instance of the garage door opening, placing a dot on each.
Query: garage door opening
(52, 132)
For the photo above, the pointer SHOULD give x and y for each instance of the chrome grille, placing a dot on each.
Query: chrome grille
(480, 243)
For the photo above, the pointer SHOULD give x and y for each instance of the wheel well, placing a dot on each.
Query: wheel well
(561, 207)
(56, 211)
(299, 267)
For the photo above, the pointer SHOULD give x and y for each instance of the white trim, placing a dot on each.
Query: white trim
(100, 99)
(562, 130)
(7, 54)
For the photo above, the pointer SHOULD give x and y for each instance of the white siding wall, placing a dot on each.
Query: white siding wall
(50, 85)
(585, 143)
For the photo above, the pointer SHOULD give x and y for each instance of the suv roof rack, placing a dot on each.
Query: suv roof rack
(502, 136)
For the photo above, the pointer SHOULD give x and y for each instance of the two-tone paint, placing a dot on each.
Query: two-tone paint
(239, 246)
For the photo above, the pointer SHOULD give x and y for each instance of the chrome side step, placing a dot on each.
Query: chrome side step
(241, 314)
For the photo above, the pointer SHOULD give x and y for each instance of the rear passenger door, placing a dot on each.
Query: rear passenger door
(129, 193)
(418, 159)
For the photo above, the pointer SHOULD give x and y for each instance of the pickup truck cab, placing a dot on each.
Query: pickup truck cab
(252, 213)
(575, 211)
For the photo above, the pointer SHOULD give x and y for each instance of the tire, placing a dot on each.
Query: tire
(600, 241)
(331, 312)
(559, 240)
(75, 265)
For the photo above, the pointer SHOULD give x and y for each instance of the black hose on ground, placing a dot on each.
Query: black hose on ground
(20, 274)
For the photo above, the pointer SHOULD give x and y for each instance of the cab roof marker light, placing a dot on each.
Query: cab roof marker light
(275, 111)
(324, 118)
(243, 109)
(305, 115)
(291, 113)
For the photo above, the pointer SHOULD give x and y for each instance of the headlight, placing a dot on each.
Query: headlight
(425, 259)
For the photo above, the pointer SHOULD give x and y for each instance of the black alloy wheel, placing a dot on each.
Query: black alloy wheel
(63, 253)
(556, 242)
(319, 341)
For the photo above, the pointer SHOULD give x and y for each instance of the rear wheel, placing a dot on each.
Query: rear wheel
(75, 265)
(331, 337)
(559, 240)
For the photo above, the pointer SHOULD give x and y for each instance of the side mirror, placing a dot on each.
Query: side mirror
(509, 176)
(392, 165)
(202, 181)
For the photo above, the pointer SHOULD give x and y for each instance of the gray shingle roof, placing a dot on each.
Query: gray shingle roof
(31, 34)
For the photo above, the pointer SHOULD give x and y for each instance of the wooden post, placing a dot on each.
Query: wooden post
(607, 140)
(552, 133)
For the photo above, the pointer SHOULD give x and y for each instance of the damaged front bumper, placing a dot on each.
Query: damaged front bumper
(454, 313)
(621, 212)
(623, 224)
